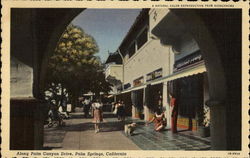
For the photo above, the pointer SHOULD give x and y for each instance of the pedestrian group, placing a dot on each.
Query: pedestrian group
(118, 108)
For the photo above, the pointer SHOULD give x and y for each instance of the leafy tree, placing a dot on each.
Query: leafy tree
(99, 84)
(74, 67)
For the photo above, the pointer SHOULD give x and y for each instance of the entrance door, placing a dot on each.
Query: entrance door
(137, 101)
(128, 103)
(140, 103)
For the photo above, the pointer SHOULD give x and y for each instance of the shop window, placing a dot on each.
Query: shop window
(153, 97)
(131, 50)
(190, 95)
(142, 39)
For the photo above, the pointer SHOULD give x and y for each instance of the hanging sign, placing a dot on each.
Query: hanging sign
(158, 73)
(154, 75)
(139, 81)
(188, 60)
(126, 86)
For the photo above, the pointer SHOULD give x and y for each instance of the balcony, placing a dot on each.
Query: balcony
(114, 72)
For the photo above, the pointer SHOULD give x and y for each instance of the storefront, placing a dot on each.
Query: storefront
(190, 88)
(153, 99)
(189, 92)
(126, 98)
(137, 103)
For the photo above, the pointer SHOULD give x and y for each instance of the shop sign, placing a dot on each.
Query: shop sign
(126, 86)
(188, 60)
(138, 81)
(154, 75)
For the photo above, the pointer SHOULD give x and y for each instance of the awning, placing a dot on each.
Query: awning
(134, 88)
(200, 68)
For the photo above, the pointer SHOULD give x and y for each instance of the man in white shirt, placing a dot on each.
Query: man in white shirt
(86, 107)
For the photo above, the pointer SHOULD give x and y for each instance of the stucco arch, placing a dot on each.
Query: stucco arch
(53, 39)
(218, 34)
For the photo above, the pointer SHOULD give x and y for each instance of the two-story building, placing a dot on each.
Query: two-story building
(145, 61)
(114, 72)
(153, 68)
(188, 81)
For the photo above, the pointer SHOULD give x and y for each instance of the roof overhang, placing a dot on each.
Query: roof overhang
(114, 57)
(169, 29)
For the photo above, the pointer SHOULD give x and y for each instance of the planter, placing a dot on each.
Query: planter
(204, 131)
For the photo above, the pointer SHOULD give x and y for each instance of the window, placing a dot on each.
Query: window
(142, 38)
(131, 50)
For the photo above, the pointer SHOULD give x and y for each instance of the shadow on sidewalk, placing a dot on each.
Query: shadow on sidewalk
(106, 126)
(53, 137)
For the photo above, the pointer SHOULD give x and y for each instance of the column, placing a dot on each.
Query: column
(26, 112)
(166, 104)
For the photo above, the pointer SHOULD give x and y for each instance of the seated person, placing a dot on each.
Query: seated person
(53, 114)
(60, 110)
(159, 120)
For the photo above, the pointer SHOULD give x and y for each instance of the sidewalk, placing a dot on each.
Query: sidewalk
(78, 134)
(147, 139)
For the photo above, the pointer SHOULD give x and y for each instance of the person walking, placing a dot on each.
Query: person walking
(86, 107)
(121, 111)
(97, 111)
(174, 114)
(115, 106)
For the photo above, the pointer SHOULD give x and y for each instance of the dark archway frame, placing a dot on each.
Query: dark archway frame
(217, 32)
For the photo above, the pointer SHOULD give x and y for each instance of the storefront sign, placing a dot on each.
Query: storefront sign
(154, 75)
(158, 73)
(126, 86)
(139, 81)
(188, 60)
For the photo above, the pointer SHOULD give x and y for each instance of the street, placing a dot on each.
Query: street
(78, 134)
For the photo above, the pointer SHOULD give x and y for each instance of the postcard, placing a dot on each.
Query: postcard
(124, 79)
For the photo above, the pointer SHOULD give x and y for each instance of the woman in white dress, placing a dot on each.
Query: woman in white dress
(97, 111)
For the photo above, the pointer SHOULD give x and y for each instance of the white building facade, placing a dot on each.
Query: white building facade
(153, 68)
(145, 61)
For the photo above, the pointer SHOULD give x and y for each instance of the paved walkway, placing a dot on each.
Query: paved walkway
(78, 134)
(147, 139)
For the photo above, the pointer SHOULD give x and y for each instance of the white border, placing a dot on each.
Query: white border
(5, 24)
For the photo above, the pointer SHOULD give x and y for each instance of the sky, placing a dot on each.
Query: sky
(107, 26)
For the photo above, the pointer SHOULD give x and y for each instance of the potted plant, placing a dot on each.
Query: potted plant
(204, 121)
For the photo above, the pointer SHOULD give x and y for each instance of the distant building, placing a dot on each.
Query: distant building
(114, 72)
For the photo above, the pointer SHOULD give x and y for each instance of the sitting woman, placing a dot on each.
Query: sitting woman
(159, 120)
